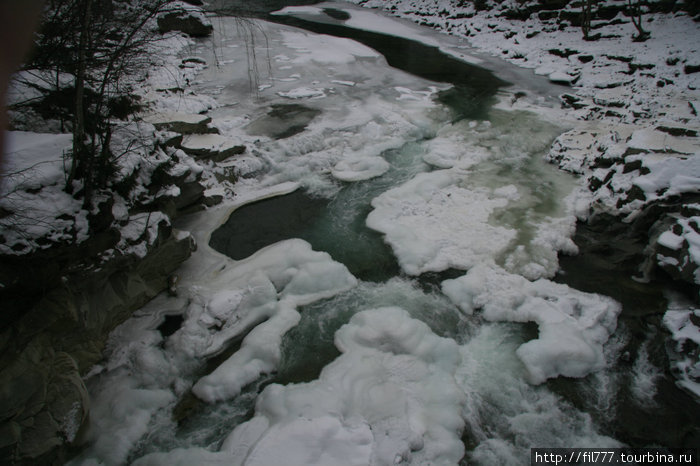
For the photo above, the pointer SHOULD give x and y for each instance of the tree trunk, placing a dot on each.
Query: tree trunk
(80, 152)
(586, 6)
(635, 10)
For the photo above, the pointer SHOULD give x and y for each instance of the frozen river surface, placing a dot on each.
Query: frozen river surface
(382, 288)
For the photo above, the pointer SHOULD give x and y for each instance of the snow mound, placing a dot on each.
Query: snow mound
(573, 326)
(389, 398)
(360, 168)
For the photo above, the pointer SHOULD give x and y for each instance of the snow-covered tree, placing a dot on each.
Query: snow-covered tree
(88, 48)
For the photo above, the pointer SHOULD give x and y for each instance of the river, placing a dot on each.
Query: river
(392, 291)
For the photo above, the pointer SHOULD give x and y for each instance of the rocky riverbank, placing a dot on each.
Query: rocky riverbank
(69, 275)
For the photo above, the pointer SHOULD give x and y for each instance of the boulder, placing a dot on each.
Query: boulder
(212, 146)
(183, 123)
(185, 18)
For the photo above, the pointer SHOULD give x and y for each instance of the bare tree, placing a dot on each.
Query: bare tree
(635, 12)
(586, 13)
(97, 43)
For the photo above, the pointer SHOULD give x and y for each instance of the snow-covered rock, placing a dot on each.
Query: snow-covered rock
(181, 16)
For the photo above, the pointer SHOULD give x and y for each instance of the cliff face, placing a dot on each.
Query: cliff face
(43, 402)
(62, 301)
(70, 272)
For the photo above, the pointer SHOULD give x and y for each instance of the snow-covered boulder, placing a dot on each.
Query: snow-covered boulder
(186, 18)
(212, 146)
(182, 123)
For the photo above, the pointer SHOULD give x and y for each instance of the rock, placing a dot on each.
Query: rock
(187, 19)
(566, 53)
(675, 250)
(614, 97)
(283, 121)
(43, 402)
(678, 131)
(653, 140)
(559, 77)
(182, 123)
(573, 101)
(212, 146)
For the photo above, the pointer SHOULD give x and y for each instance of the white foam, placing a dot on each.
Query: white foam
(645, 377)
(505, 415)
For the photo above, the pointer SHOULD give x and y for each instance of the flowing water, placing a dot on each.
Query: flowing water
(430, 332)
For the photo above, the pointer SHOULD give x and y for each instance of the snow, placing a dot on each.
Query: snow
(420, 221)
(388, 398)
(670, 240)
(325, 49)
(33, 160)
(32, 192)
(360, 168)
(366, 21)
(267, 287)
(573, 326)
(670, 176)
(303, 93)
(686, 335)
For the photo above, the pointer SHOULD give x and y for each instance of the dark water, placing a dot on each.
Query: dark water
(252, 8)
(474, 87)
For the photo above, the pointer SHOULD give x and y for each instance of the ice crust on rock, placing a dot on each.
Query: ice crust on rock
(389, 398)
(573, 326)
